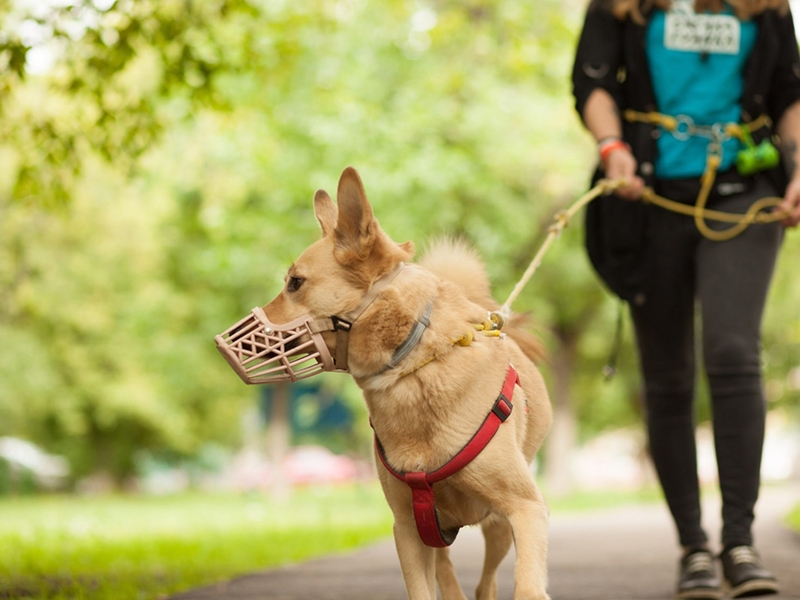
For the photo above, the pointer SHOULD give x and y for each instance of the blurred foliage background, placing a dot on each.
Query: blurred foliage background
(159, 159)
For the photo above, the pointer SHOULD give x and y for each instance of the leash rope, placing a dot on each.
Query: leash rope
(683, 127)
(604, 186)
(701, 214)
(699, 211)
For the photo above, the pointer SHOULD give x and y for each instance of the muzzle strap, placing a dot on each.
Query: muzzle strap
(342, 343)
(342, 329)
(342, 325)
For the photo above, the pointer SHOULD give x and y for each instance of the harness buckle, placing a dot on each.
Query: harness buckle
(340, 324)
(502, 408)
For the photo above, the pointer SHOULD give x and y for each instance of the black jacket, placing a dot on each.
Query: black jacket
(611, 55)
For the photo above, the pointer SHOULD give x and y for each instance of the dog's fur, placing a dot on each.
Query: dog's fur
(431, 404)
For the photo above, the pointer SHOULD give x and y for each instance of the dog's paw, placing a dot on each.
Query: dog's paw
(535, 596)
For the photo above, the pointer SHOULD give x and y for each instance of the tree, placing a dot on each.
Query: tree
(106, 77)
(158, 183)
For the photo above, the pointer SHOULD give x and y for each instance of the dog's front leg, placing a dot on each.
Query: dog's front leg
(529, 523)
(417, 561)
(446, 576)
(499, 537)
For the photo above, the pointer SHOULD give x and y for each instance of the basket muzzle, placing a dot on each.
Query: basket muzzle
(263, 352)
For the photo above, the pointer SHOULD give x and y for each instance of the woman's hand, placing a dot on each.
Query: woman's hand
(620, 163)
(601, 116)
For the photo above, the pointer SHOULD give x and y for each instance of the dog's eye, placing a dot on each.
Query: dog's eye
(293, 283)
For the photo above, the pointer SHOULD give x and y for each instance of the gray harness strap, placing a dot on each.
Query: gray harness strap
(414, 336)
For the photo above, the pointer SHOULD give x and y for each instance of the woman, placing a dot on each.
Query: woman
(665, 87)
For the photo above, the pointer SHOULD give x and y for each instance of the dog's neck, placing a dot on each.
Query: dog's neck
(392, 330)
(392, 339)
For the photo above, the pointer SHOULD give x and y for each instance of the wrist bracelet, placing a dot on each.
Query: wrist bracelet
(612, 145)
(609, 138)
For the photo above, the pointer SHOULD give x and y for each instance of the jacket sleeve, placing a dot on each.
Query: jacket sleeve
(785, 84)
(599, 55)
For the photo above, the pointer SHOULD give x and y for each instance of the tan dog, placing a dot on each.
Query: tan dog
(426, 407)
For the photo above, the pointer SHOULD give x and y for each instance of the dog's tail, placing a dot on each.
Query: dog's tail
(454, 259)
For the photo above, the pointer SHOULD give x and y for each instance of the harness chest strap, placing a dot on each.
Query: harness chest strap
(421, 483)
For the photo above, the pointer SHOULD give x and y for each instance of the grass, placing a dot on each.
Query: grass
(592, 500)
(144, 547)
(793, 519)
(132, 548)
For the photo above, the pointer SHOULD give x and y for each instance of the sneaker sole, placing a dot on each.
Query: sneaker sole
(755, 587)
(700, 594)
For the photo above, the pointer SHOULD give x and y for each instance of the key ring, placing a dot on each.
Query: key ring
(684, 127)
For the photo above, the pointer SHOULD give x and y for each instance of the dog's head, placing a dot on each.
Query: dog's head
(295, 335)
(332, 275)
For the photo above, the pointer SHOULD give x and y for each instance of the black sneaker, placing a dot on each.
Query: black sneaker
(698, 577)
(742, 568)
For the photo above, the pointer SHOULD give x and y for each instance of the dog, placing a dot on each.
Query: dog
(431, 364)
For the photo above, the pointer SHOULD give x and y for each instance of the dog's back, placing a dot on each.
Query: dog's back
(455, 260)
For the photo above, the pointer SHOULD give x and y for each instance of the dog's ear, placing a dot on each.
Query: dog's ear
(326, 212)
(356, 227)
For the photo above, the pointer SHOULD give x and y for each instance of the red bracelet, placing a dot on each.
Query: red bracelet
(607, 147)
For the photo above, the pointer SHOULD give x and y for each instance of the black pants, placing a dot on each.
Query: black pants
(725, 284)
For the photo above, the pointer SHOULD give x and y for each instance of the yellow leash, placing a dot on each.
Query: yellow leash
(604, 186)
(497, 319)
(700, 213)
(683, 127)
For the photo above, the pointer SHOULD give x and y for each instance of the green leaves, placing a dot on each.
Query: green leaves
(156, 181)
(93, 77)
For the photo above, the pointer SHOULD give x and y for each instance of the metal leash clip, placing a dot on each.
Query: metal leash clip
(685, 127)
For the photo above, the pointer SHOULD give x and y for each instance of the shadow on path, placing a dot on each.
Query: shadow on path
(626, 553)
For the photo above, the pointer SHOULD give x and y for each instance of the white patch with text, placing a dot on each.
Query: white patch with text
(692, 32)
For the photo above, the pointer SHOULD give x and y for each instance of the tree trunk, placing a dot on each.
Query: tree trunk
(563, 434)
(279, 436)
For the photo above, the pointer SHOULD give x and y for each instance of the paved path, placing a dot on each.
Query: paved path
(619, 554)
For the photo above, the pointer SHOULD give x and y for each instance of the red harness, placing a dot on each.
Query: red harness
(421, 483)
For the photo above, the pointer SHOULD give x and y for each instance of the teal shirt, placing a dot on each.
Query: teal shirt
(697, 67)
